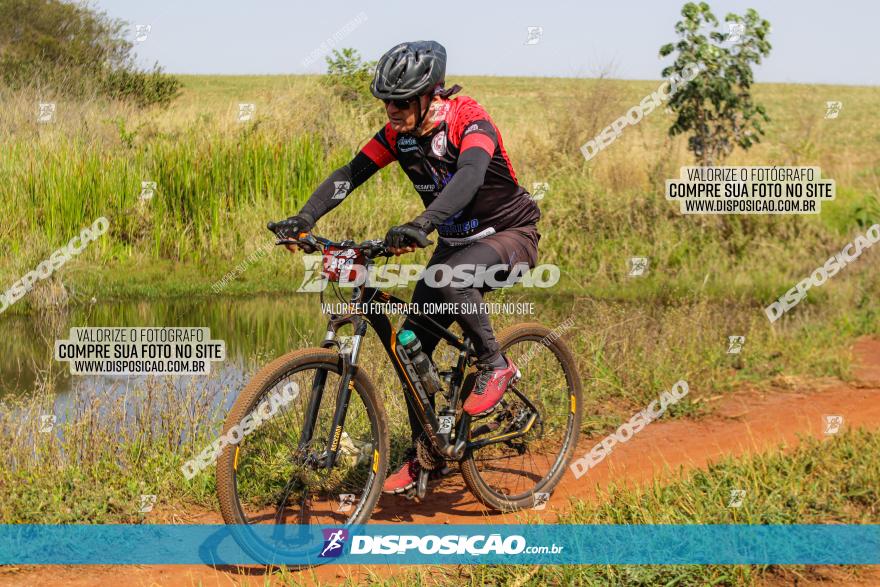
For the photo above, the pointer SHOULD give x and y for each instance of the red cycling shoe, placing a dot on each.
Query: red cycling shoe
(404, 479)
(489, 388)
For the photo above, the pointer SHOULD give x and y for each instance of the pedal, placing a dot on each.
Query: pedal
(497, 410)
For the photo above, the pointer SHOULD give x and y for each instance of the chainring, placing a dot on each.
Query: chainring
(427, 456)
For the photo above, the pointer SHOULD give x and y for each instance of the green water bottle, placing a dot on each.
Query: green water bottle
(420, 361)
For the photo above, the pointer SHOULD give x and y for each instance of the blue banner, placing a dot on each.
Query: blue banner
(439, 544)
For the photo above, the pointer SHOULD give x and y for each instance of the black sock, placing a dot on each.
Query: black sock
(498, 362)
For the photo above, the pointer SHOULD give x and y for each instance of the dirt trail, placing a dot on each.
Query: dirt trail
(744, 422)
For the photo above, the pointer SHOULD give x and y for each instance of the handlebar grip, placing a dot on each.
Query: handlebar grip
(276, 226)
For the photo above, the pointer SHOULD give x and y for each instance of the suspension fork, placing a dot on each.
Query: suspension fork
(343, 394)
(320, 378)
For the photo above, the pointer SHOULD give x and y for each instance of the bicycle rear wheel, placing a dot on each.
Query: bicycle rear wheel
(522, 472)
(276, 474)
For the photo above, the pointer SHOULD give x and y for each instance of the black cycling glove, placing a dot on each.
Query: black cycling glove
(292, 228)
(415, 232)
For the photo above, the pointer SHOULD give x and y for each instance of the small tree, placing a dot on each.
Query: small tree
(716, 106)
(348, 76)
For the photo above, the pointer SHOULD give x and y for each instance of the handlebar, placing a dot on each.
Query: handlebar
(370, 248)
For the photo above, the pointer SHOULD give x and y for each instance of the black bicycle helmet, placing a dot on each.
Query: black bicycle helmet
(409, 70)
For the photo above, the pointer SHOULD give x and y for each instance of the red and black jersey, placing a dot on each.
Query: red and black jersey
(430, 162)
(460, 169)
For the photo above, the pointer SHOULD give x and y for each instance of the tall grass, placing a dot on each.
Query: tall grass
(200, 180)
(219, 180)
(109, 447)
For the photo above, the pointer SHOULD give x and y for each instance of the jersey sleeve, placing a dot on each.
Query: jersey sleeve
(381, 148)
(472, 166)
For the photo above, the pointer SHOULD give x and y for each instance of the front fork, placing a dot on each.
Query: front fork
(343, 392)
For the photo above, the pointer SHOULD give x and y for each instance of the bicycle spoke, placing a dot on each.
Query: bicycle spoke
(271, 457)
(515, 468)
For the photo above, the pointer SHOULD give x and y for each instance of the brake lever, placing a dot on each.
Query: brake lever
(375, 248)
(306, 238)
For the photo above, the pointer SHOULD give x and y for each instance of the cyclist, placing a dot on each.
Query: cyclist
(453, 153)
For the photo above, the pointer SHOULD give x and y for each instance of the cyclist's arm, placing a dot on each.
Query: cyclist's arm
(477, 148)
(333, 190)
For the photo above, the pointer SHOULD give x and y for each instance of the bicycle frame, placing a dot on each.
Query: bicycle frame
(413, 390)
(438, 427)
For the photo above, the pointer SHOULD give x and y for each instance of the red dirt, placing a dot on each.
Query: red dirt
(742, 423)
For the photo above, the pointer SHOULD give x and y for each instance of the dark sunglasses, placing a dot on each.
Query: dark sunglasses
(399, 104)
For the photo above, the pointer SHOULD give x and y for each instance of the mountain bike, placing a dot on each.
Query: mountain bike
(323, 455)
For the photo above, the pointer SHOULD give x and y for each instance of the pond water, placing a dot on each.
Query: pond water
(254, 329)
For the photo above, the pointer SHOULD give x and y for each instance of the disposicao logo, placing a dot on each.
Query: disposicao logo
(334, 541)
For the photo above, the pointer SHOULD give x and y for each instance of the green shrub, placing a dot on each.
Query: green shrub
(73, 50)
(716, 107)
(348, 76)
(141, 87)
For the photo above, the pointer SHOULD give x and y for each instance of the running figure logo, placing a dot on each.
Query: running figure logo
(735, 33)
(540, 500)
(341, 189)
(445, 425)
(47, 422)
(148, 189)
(534, 35)
(47, 112)
(638, 266)
(246, 112)
(735, 344)
(313, 279)
(147, 503)
(736, 498)
(832, 109)
(346, 501)
(141, 32)
(334, 540)
(833, 424)
(539, 190)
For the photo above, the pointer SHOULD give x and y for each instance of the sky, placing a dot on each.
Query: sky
(814, 41)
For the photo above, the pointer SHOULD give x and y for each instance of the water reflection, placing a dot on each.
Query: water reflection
(255, 329)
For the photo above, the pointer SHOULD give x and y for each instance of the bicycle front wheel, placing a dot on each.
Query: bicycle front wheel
(277, 473)
(522, 472)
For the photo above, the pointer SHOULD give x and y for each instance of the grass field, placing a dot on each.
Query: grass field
(113, 444)
(219, 181)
